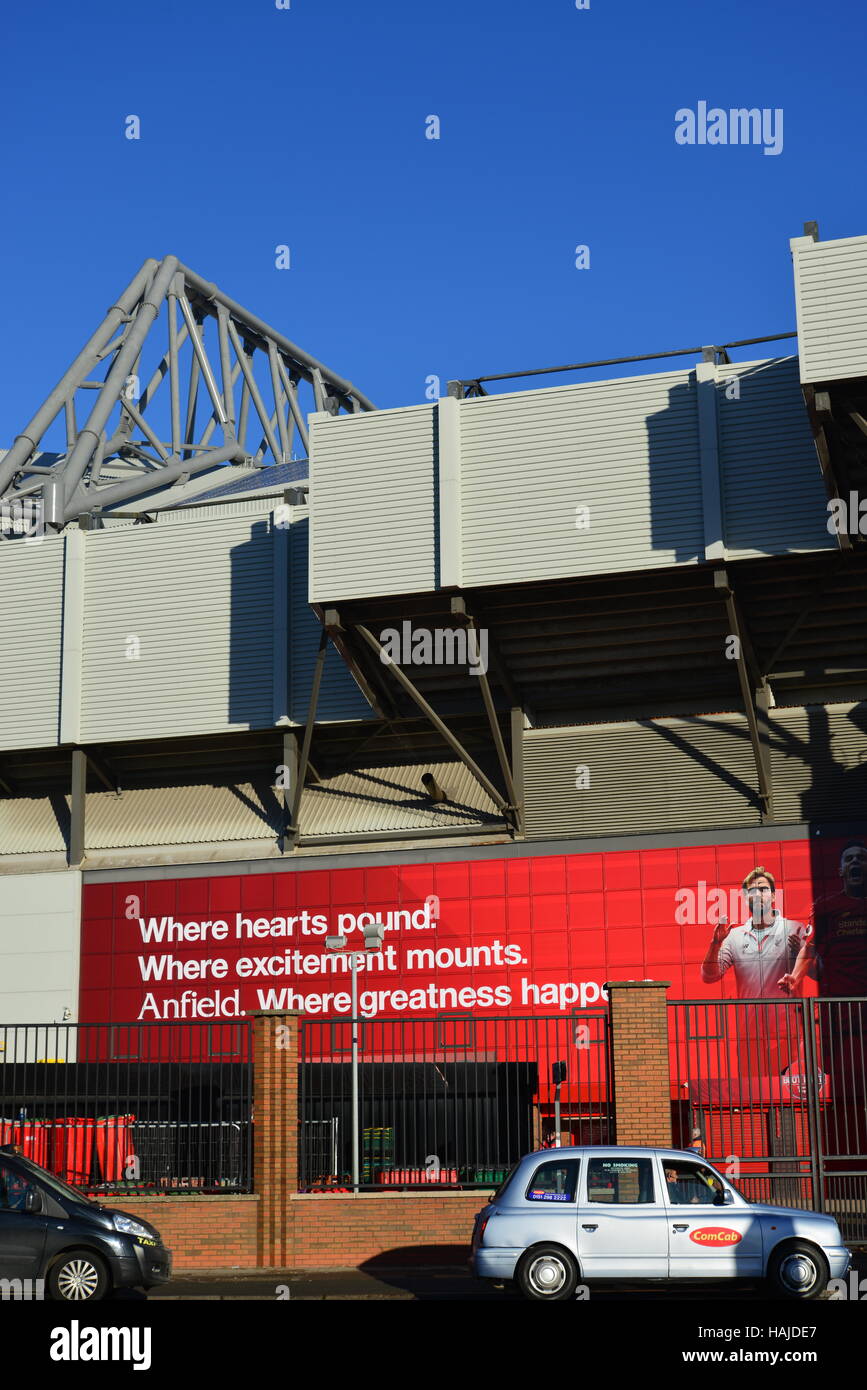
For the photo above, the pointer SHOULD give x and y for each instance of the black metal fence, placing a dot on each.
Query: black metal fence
(776, 1091)
(132, 1108)
(451, 1101)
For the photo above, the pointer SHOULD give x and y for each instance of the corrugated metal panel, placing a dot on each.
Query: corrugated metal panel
(31, 585)
(32, 824)
(392, 798)
(372, 488)
(181, 816)
(627, 449)
(667, 774)
(831, 299)
(819, 760)
(199, 599)
(352, 803)
(773, 494)
(339, 696)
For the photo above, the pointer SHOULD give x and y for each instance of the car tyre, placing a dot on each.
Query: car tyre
(547, 1273)
(799, 1270)
(78, 1276)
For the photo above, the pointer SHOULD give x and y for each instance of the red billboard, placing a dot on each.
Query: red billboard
(536, 934)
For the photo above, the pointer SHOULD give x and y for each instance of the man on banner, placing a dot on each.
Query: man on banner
(765, 945)
(835, 955)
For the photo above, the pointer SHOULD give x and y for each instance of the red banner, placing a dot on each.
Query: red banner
(529, 935)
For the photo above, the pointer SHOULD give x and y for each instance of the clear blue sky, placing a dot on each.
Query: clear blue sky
(411, 256)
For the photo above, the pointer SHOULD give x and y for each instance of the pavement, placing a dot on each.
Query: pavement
(419, 1285)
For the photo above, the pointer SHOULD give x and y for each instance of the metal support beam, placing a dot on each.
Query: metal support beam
(372, 688)
(290, 783)
(107, 777)
(308, 730)
(78, 801)
(518, 724)
(817, 593)
(755, 694)
(458, 608)
(456, 746)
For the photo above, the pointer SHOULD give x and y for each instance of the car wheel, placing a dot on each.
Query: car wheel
(799, 1270)
(77, 1276)
(548, 1273)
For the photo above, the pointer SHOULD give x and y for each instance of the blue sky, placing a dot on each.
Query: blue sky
(412, 257)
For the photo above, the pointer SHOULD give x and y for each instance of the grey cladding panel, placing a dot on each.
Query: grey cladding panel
(199, 600)
(819, 760)
(660, 775)
(31, 593)
(831, 299)
(373, 502)
(339, 696)
(627, 450)
(773, 494)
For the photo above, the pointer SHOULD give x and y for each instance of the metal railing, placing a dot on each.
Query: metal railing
(132, 1108)
(778, 1093)
(451, 1101)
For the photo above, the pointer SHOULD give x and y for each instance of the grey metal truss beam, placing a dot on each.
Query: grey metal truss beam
(123, 443)
(502, 803)
(77, 807)
(459, 609)
(755, 694)
(372, 685)
(308, 733)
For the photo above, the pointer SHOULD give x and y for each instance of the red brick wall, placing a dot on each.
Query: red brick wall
(201, 1232)
(639, 1044)
(342, 1230)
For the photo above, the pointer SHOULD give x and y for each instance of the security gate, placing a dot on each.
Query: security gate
(451, 1101)
(773, 1092)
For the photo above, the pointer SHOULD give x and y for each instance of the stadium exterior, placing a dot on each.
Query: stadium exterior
(527, 676)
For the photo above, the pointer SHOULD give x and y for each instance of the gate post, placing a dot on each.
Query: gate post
(275, 1132)
(640, 1063)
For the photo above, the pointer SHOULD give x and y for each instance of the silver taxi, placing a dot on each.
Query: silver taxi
(569, 1215)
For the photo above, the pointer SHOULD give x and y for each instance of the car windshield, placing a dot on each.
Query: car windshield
(53, 1184)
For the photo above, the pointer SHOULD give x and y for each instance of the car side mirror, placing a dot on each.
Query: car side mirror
(33, 1201)
(726, 1198)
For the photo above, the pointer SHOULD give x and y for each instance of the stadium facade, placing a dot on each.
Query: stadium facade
(533, 677)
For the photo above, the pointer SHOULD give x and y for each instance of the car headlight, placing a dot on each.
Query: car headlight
(129, 1227)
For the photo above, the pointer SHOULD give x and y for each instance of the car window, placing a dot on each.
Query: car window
(555, 1181)
(55, 1185)
(621, 1181)
(13, 1189)
(692, 1184)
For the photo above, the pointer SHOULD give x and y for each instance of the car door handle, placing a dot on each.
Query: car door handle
(681, 1228)
(588, 1228)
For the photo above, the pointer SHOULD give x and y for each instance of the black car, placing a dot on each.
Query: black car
(51, 1232)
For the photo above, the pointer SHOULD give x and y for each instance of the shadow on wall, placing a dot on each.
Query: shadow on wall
(339, 696)
(766, 451)
(251, 637)
(836, 791)
(674, 477)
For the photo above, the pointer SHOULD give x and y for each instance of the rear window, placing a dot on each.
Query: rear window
(554, 1181)
(620, 1181)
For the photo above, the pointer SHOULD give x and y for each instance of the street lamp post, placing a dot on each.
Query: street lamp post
(373, 938)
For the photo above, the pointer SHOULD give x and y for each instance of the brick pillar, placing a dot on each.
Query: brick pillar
(639, 1043)
(275, 1133)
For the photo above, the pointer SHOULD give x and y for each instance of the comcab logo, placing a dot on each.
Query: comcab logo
(715, 1235)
